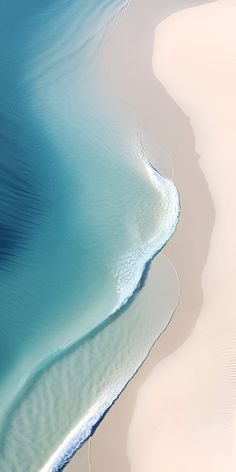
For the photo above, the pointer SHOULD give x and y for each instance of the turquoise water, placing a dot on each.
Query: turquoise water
(81, 213)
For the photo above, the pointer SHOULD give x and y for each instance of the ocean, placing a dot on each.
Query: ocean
(82, 214)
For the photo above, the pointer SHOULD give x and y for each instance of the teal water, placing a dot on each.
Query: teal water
(81, 213)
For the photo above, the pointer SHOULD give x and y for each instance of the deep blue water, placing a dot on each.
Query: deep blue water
(81, 213)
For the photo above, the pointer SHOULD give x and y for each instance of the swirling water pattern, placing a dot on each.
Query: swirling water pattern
(81, 213)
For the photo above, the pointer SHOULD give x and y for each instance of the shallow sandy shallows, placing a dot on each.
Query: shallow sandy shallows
(184, 417)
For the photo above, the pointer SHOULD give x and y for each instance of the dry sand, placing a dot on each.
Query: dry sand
(178, 412)
(188, 403)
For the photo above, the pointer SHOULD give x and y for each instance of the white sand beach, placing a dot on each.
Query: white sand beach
(188, 403)
(178, 413)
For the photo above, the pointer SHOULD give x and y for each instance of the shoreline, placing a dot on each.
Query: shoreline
(75, 439)
(177, 138)
(178, 412)
(160, 267)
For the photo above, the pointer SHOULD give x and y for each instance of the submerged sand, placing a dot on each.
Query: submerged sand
(178, 412)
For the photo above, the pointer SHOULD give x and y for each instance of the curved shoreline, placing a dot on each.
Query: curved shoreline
(73, 442)
(76, 439)
(52, 360)
(190, 181)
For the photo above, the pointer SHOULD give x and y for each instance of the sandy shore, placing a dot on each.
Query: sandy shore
(178, 412)
(190, 413)
(81, 462)
(130, 57)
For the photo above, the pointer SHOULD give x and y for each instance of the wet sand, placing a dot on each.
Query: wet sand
(81, 462)
(128, 63)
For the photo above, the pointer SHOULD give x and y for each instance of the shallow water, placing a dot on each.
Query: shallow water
(81, 213)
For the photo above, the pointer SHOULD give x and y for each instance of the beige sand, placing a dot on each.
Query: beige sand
(128, 60)
(80, 463)
(184, 417)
